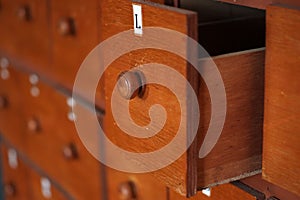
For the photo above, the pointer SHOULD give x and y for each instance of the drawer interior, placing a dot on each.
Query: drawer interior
(226, 28)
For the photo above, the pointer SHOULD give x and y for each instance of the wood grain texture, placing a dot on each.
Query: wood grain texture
(46, 144)
(269, 189)
(16, 177)
(145, 186)
(117, 17)
(238, 150)
(56, 132)
(69, 51)
(281, 164)
(12, 122)
(25, 180)
(26, 39)
(222, 192)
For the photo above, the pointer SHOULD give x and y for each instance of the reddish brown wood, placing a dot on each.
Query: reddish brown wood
(74, 37)
(221, 192)
(12, 122)
(281, 164)
(270, 190)
(238, 151)
(58, 142)
(175, 175)
(124, 186)
(25, 31)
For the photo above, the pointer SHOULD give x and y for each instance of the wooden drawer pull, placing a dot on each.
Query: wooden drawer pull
(24, 13)
(127, 190)
(66, 26)
(3, 102)
(10, 189)
(70, 152)
(33, 125)
(130, 84)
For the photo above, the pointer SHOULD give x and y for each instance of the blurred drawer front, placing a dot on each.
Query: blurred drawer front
(25, 32)
(281, 152)
(23, 182)
(51, 140)
(124, 186)
(12, 123)
(75, 35)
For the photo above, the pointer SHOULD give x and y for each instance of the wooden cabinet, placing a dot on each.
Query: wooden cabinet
(21, 181)
(281, 164)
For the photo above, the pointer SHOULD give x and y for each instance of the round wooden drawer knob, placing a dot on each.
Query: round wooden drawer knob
(3, 102)
(33, 125)
(24, 13)
(66, 26)
(127, 191)
(10, 189)
(70, 152)
(130, 84)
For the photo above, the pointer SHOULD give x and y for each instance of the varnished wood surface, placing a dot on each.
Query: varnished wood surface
(24, 181)
(41, 130)
(269, 189)
(69, 51)
(144, 185)
(12, 122)
(115, 13)
(56, 132)
(238, 150)
(281, 153)
(28, 39)
(16, 177)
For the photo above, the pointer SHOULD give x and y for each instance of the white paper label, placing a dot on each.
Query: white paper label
(46, 188)
(137, 19)
(207, 192)
(12, 158)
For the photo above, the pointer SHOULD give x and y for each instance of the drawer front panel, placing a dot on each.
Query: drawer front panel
(75, 34)
(12, 123)
(52, 139)
(23, 182)
(124, 186)
(154, 15)
(26, 35)
(281, 164)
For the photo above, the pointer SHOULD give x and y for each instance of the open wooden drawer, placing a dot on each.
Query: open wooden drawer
(237, 152)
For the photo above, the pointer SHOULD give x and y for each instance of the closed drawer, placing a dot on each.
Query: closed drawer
(51, 140)
(12, 122)
(75, 31)
(124, 186)
(281, 151)
(20, 181)
(25, 31)
(224, 192)
(236, 153)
